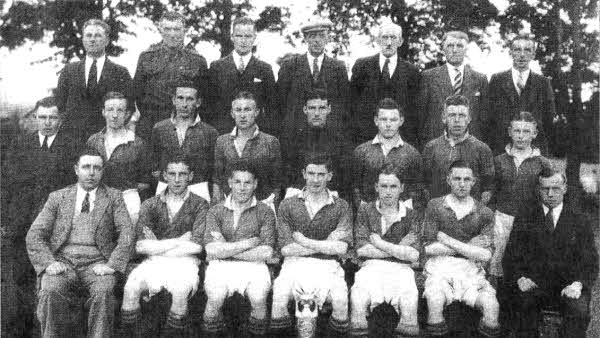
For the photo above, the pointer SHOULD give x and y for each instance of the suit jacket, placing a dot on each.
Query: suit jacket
(367, 91)
(225, 82)
(82, 108)
(295, 81)
(555, 258)
(115, 234)
(537, 98)
(29, 174)
(435, 87)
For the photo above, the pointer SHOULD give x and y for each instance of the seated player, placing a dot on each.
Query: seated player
(314, 229)
(551, 259)
(239, 238)
(386, 237)
(165, 229)
(457, 237)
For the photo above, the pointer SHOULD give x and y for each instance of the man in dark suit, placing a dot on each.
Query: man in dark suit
(379, 76)
(82, 85)
(36, 164)
(82, 237)
(300, 74)
(160, 68)
(551, 259)
(241, 71)
(455, 77)
(517, 90)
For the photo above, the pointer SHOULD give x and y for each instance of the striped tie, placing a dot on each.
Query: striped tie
(521, 82)
(457, 82)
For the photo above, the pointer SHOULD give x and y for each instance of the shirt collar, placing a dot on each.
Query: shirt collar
(129, 135)
(447, 205)
(392, 64)
(50, 139)
(515, 74)
(534, 151)
(234, 132)
(99, 64)
(452, 69)
(196, 121)
(399, 143)
(236, 58)
(229, 203)
(81, 192)
(402, 206)
(330, 196)
(163, 195)
(453, 142)
(555, 211)
(319, 60)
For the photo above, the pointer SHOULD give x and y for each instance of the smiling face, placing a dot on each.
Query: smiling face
(317, 176)
(316, 111)
(522, 134)
(242, 185)
(89, 171)
(522, 52)
(461, 181)
(243, 37)
(172, 32)
(178, 177)
(455, 50)
(115, 113)
(244, 113)
(95, 40)
(389, 40)
(388, 189)
(47, 120)
(388, 121)
(456, 119)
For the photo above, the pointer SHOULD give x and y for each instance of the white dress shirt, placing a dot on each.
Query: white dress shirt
(391, 65)
(246, 58)
(515, 77)
(99, 66)
(81, 196)
(555, 212)
(311, 60)
(50, 139)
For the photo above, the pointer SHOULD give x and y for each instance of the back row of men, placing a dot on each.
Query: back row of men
(82, 85)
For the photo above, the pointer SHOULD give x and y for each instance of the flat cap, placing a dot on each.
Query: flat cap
(316, 25)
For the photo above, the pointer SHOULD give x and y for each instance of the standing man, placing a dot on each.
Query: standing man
(457, 236)
(239, 238)
(383, 75)
(388, 147)
(83, 84)
(187, 135)
(161, 67)
(314, 229)
(517, 90)
(241, 71)
(82, 237)
(458, 144)
(453, 78)
(300, 74)
(551, 259)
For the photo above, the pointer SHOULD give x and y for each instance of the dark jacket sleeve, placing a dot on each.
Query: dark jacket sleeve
(411, 119)
(587, 262)
(516, 259)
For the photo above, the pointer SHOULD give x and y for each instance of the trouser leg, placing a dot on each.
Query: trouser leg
(59, 309)
(100, 303)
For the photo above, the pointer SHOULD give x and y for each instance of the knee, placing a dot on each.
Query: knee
(339, 300)
(132, 290)
(216, 294)
(359, 299)
(489, 304)
(103, 286)
(282, 292)
(436, 299)
(257, 294)
(53, 283)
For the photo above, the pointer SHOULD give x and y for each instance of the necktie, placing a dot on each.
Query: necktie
(457, 82)
(92, 76)
(241, 65)
(85, 206)
(550, 220)
(521, 83)
(385, 71)
(45, 144)
(315, 73)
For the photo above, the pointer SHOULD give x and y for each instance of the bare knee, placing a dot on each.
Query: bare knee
(257, 294)
(436, 300)
(359, 299)
(339, 300)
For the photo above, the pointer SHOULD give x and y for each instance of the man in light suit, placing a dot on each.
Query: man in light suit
(301, 73)
(517, 90)
(455, 77)
(384, 75)
(241, 71)
(82, 85)
(82, 237)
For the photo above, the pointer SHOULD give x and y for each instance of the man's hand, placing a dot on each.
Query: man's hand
(374, 238)
(102, 269)
(525, 284)
(186, 237)
(442, 237)
(572, 290)
(255, 241)
(486, 196)
(298, 237)
(56, 268)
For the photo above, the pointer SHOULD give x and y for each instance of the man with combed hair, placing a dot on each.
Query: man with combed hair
(455, 77)
(241, 71)
(83, 84)
(457, 236)
(387, 240)
(165, 229)
(387, 147)
(82, 238)
(239, 238)
(161, 67)
(383, 75)
(314, 228)
(551, 260)
(458, 144)
(516, 90)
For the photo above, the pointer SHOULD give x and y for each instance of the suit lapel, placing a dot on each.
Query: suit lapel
(81, 77)
(444, 81)
(68, 209)
(508, 85)
(305, 69)
(467, 80)
(231, 67)
(106, 69)
(100, 205)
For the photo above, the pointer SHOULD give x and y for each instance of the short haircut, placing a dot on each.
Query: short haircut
(460, 164)
(114, 96)
(523, 37)
(377, 30)
(89, 152)
(316, 94)
(390, 169)
(524, 116)
(455, 34)
(549, 172)
(172, 16)
(178, 158)
(318, 158)
(243, 166)
(389, 104)
(244, 95)
(96, 22)
(243, 21)
(183, 83)
(456, 100)
(47, 102)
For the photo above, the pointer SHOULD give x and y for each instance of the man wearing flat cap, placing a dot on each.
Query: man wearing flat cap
(300, 74)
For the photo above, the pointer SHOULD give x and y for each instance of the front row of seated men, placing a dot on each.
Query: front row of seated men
(83, 237)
